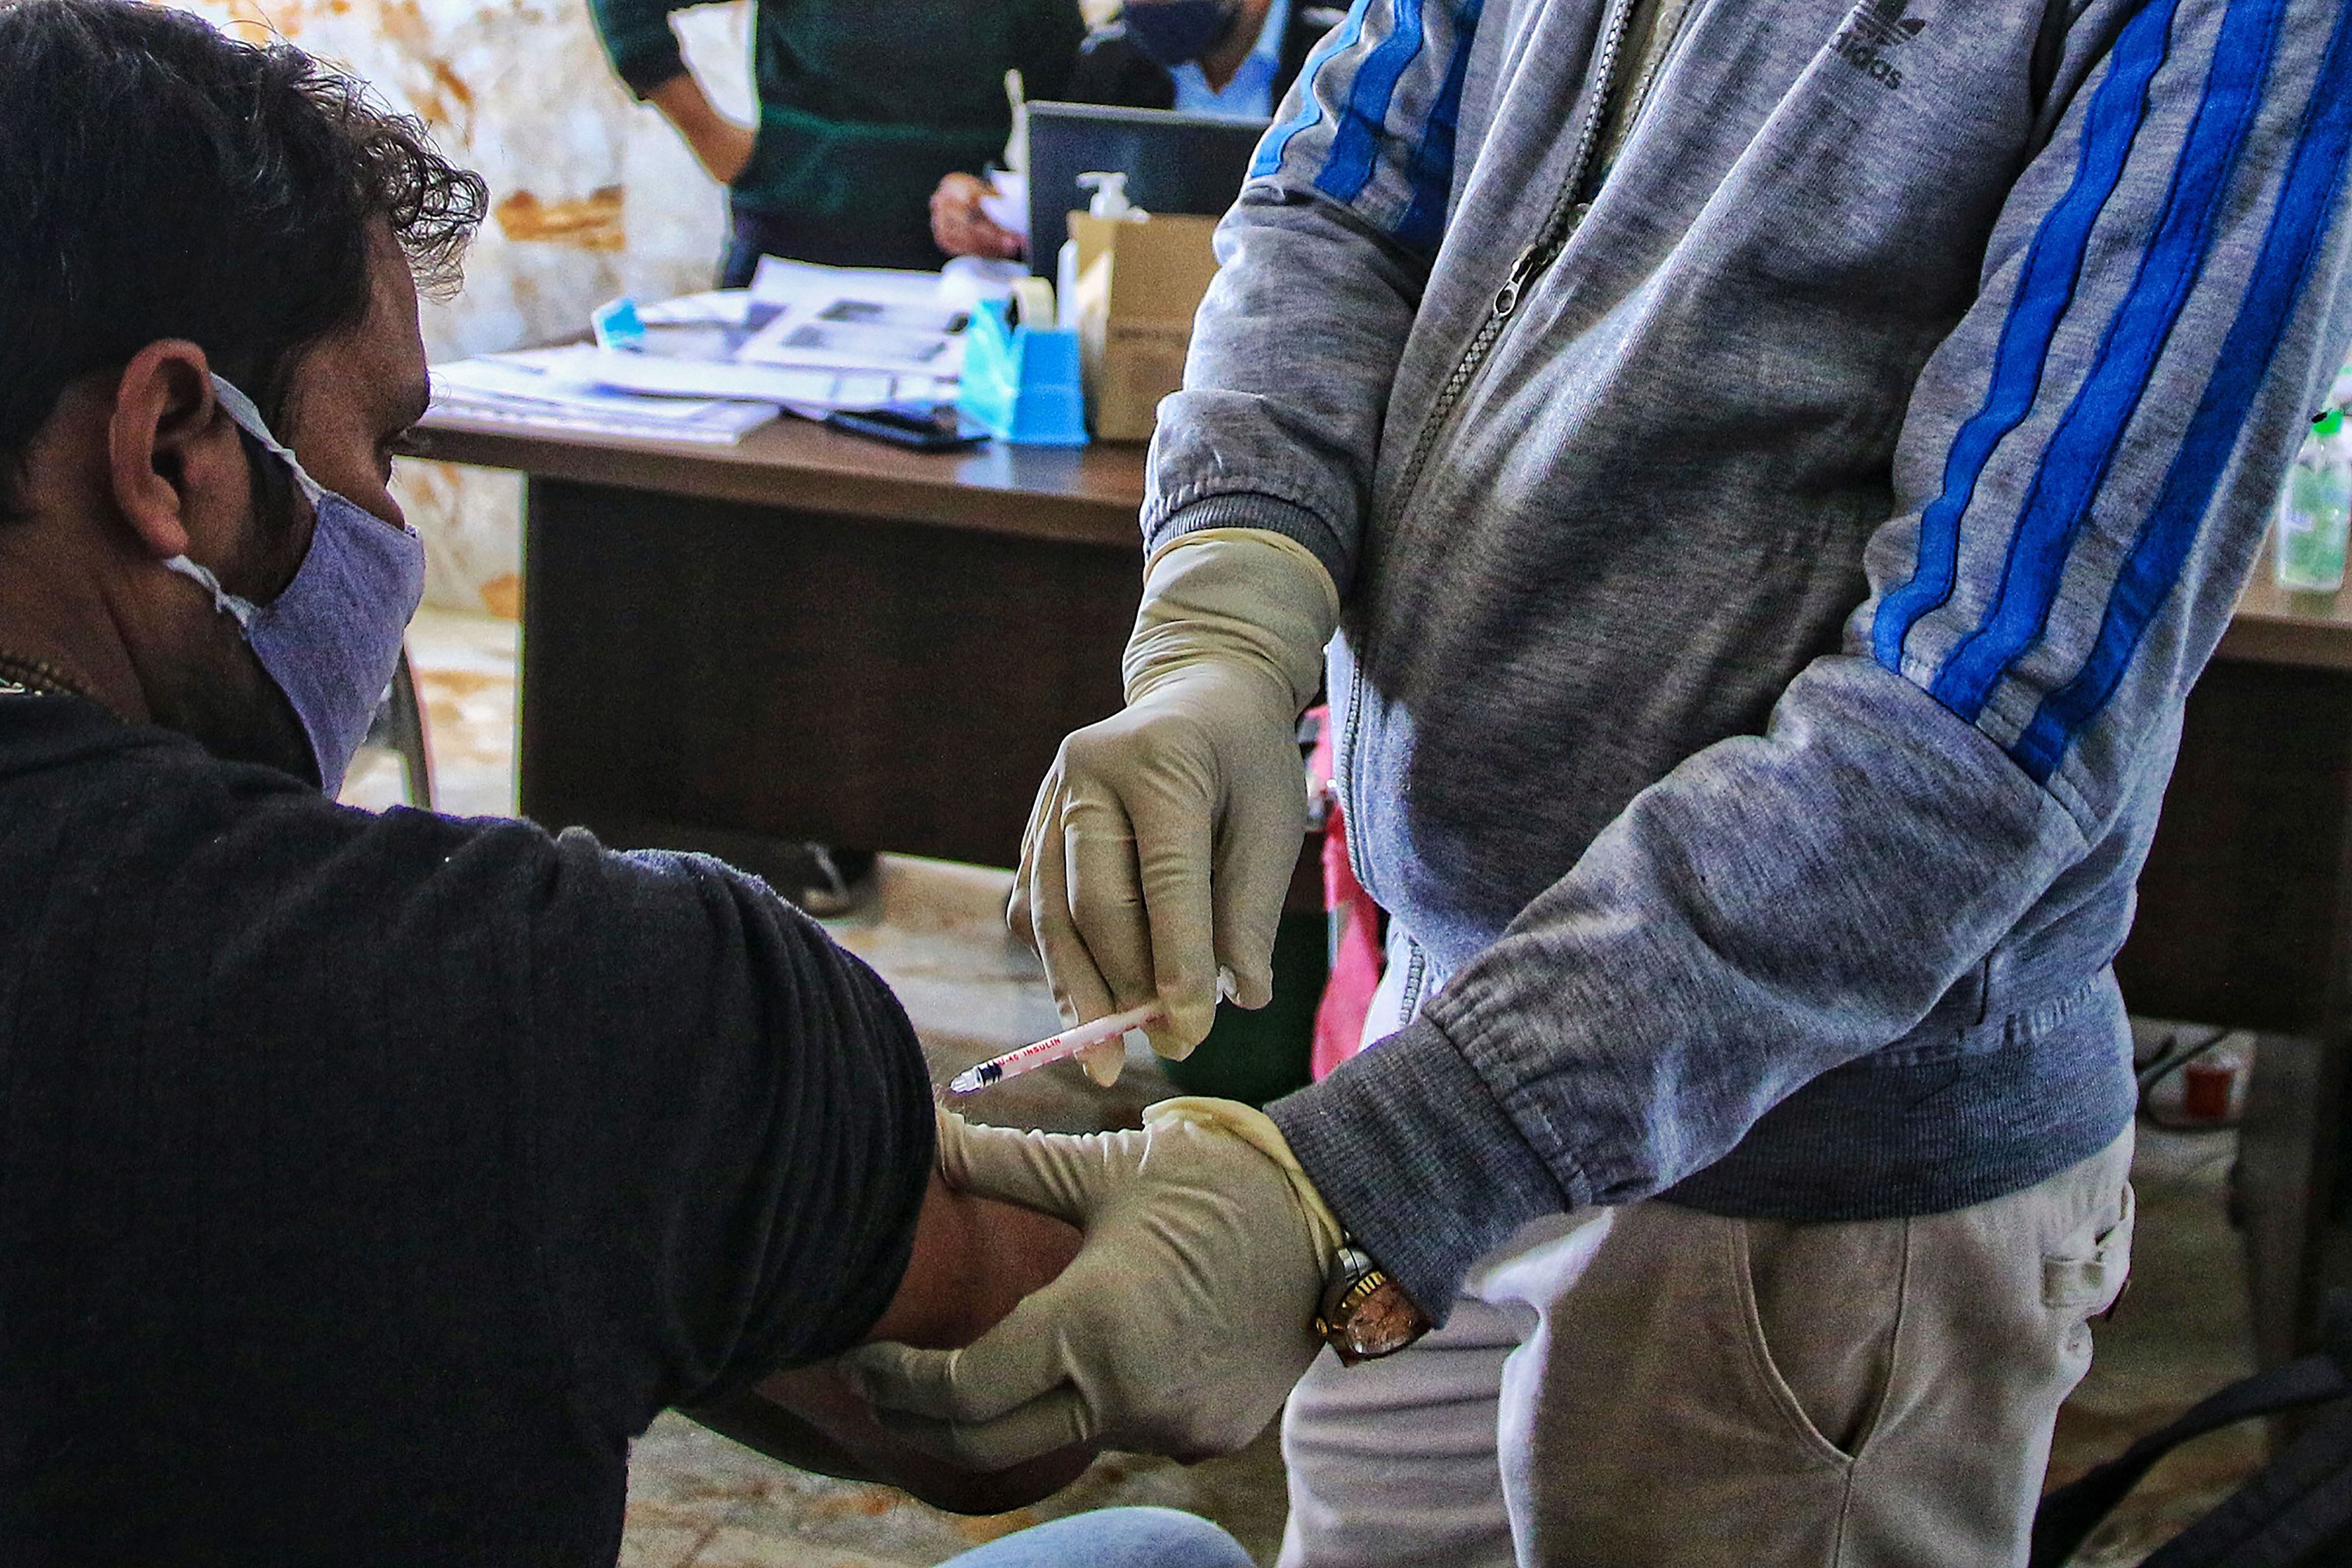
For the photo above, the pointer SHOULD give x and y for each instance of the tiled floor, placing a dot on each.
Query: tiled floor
(935, 931)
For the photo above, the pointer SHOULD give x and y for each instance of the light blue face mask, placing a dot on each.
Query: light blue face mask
(330, 639)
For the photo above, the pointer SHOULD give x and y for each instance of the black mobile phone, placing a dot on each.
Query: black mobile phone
(925, 426)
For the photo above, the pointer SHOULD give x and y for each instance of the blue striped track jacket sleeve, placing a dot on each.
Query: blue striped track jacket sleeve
(2084, 473)
(1358, 165)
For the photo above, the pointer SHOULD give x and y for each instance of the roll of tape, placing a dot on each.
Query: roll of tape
(1033, 303)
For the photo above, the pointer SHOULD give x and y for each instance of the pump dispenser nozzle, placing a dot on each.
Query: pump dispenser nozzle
(1109, 188)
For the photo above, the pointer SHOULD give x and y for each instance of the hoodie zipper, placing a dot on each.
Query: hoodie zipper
(1568, 210)
(1416, 973)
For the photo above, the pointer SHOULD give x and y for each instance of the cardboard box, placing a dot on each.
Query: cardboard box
(1139, 284)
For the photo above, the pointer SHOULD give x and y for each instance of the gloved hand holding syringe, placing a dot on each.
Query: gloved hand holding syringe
(1163, 841)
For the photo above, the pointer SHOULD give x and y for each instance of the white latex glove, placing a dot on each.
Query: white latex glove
(1178, 1329)
(1164, 839)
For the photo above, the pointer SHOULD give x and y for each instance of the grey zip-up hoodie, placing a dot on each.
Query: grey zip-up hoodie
(1772, 571)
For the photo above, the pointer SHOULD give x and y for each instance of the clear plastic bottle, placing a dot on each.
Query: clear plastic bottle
(2314, 511)
(1110, 200)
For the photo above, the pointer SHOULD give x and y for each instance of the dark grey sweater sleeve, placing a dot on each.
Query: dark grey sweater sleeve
(732, 1123)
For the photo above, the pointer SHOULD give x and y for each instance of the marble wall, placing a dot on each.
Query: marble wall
(592, 195)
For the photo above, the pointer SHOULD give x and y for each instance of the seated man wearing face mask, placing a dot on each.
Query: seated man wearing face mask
(367, 1183)
(1231, 58)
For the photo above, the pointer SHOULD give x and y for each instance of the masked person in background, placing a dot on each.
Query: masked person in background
(865, 106)
(370, 1182)
(1766, 475)
(1232, 57)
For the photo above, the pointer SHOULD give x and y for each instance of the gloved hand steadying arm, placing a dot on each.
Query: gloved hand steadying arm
(1164, 838)
(1178, 1329)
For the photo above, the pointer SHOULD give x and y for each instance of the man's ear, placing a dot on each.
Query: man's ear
(171, 454)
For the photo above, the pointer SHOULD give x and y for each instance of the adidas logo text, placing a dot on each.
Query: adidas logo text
(1874, 29)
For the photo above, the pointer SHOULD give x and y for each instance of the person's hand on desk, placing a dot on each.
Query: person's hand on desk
(975, 1259)
(721, 145)
(961, 227)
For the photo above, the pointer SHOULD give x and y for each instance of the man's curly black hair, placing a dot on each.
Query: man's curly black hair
(160, 179)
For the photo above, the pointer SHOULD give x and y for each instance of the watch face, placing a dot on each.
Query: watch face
(1384, 1323)
(1364, 1313)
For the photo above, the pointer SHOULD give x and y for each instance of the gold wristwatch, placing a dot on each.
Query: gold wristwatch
(1364, 1314)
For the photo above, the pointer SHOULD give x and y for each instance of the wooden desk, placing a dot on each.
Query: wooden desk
(810, 636)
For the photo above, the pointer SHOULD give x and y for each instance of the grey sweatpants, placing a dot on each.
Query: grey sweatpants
(1656, 1387)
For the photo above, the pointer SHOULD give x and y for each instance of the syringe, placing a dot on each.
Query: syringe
(1055, 1048)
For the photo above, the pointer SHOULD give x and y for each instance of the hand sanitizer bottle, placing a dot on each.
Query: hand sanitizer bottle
(1109, 188)
(2316, 510)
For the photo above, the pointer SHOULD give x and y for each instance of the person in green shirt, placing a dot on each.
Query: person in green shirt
(863, 108)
